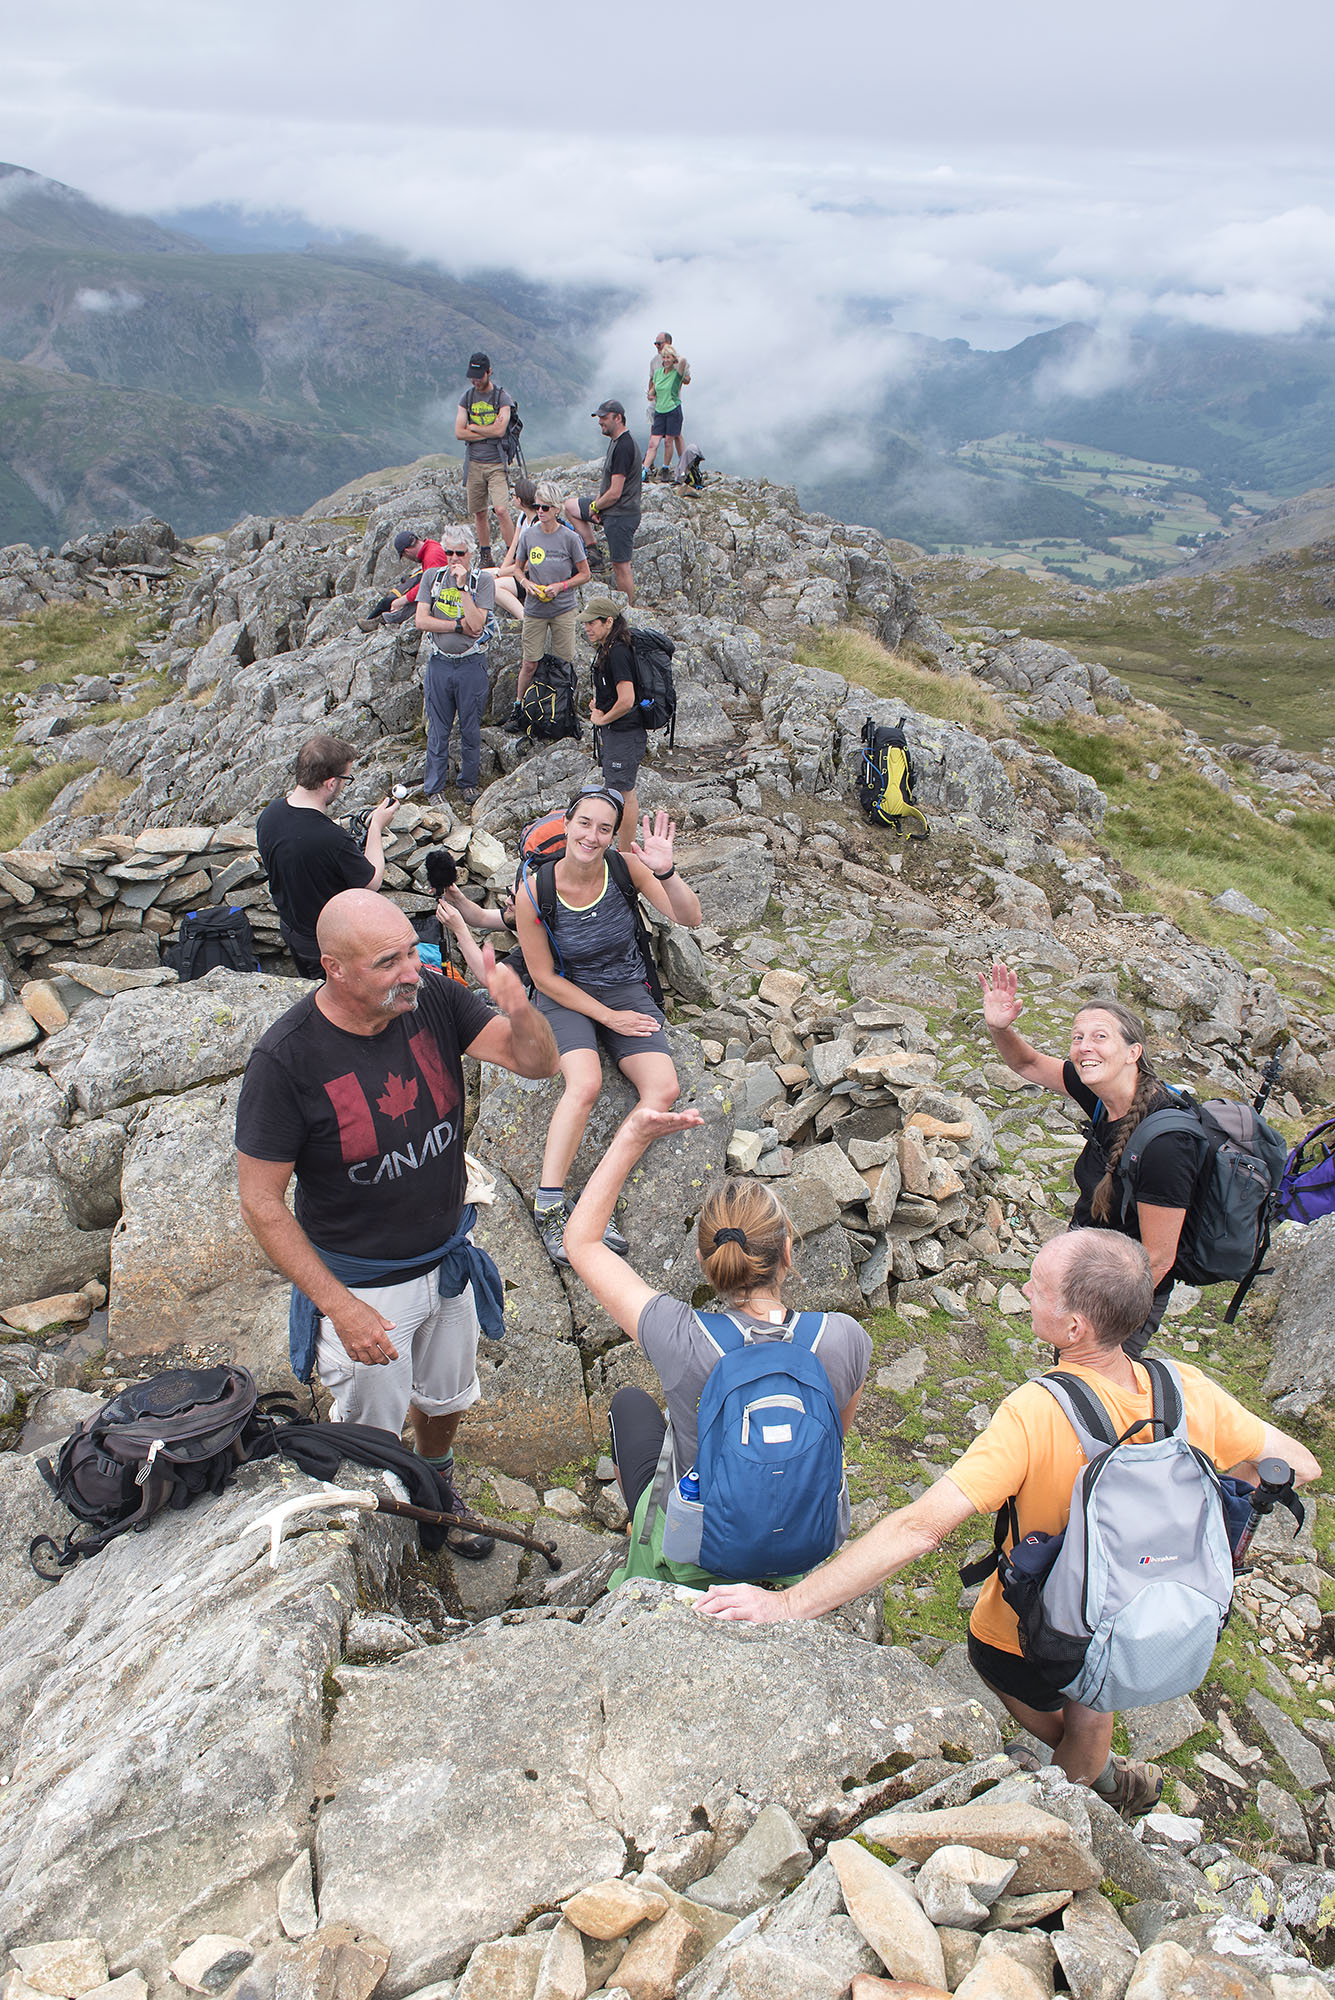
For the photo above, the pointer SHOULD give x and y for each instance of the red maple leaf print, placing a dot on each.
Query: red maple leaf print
(399, 1097)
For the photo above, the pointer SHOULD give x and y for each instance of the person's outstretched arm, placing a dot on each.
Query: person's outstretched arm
(517, 1037)
(882, 1552)
(618, 1289)
(1002, 1007)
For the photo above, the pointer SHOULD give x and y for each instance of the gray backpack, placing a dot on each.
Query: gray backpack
(1125, 1608)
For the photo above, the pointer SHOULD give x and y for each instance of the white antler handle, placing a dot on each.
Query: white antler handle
(274, 1520)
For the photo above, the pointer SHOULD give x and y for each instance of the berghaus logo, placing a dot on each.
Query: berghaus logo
(1142, 1560)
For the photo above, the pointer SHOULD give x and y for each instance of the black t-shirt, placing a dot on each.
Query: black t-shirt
(617, 664)
(1168, 1171)
(623, 456)
(309, 860)
(373, 1122)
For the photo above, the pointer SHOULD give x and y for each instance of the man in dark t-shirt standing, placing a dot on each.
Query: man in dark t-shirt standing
(616, 508)
(358, 1090)
(307, 857)
(480, 423)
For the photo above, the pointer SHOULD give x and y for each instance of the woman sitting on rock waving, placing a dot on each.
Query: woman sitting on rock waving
(1108, 1076)
(587, 954)
(744, 1245)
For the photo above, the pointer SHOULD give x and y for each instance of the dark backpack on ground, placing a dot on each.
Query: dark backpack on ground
(1226, 1232)
(1125, 1606)
(885, 781)
(769, 1468)
(655, 689)
(548, 702)
(160, 1443)
(1307, 1189)
(694, 465)
(212, 937)
(511, 448)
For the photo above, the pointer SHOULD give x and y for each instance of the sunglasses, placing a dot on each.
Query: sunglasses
(547, 507)
(607, 792)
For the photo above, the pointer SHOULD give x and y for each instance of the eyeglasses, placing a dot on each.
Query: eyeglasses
(343, 778)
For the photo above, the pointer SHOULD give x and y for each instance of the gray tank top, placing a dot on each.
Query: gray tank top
(597, 945)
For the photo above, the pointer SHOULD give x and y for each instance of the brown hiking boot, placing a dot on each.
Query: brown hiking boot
(1137, 1788)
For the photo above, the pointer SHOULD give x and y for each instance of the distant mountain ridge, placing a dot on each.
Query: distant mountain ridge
(148, 374)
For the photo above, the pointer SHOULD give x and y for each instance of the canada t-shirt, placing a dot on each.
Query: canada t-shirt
(1030, 1453)
(373, 1123)
(483, 406)
(1168, 1171)
(683, 1357)
(309, 859)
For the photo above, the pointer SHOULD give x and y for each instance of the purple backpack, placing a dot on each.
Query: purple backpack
(1307, 1190)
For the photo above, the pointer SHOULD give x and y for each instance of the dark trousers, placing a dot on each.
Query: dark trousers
(638, 1427)
(454, 689)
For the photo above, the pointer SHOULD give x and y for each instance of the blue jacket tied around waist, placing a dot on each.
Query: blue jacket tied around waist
(458, 1263)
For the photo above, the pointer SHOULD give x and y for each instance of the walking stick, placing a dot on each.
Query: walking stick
(274, 1521)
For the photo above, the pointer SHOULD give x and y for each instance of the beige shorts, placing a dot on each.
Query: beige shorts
(560, 631)
(436, 1370)
(487, 486)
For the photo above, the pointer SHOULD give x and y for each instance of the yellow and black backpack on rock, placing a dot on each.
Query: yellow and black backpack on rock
(885, 781)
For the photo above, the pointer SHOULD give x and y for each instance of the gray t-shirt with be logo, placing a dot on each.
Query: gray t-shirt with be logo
(549, 555)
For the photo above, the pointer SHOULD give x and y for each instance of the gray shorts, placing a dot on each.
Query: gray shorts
(437, 1366)
(618, 528)
(578, 1031)
(622, 752)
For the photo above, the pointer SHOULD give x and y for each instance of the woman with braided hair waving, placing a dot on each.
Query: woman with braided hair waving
(1108, 1075)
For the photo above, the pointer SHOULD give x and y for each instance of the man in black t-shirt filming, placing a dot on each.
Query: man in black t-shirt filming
(616, 509)
(358, 1090)
(307, 857)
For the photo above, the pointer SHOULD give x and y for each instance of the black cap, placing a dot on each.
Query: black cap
(479, 364)
(611, 408)
(405, 540)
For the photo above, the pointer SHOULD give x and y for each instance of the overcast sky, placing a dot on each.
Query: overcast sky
(746, 170)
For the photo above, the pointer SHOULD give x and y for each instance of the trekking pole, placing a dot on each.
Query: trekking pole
(1269, 1078)
(274, 1521)
(1274, 1489)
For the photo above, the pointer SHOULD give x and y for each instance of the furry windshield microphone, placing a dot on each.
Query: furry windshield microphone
(442, 871)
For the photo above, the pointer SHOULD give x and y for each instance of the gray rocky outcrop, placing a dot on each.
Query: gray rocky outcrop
(1302, 1364)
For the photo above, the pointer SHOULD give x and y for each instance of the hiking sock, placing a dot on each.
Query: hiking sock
(546, 1199)
(1106, 1782)
(444, 1465)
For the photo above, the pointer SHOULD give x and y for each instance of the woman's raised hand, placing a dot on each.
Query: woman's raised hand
(1002, 1005)
(656, 842)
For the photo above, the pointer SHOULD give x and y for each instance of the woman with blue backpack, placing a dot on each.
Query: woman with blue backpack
(744, 1478)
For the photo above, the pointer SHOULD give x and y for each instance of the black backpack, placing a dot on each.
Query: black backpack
(160, 1443)
(655, 689)
(511, 449)
(220, 936)
(885, 780)
(1226, 1232)
(548, 703)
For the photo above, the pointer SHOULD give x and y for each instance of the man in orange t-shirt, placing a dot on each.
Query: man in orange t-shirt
(1088, 1291)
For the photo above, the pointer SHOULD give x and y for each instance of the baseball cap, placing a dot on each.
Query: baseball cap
(611, 408)
(479, 364)
(600, 607)
(405, 540)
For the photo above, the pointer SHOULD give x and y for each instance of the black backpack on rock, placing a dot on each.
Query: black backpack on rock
(220, 936)
(160, 1443)
(548, 703)
(885, 780)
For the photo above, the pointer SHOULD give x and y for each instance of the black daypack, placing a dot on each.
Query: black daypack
(221, 936)
(160, 1443)
(1226, 1232)
(548, 702)
(655, 689)
(885, 780)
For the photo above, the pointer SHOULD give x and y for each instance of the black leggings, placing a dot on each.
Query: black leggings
(638, 1428)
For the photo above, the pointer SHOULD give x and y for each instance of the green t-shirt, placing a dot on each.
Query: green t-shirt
(667, 390)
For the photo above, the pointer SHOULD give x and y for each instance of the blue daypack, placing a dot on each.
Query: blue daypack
(770, 1460)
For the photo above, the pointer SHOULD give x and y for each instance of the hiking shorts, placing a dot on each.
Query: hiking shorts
(548, 635)
(487, 486)
(622, 753)
(578, 1031)
(618, 528)
(1010, 1673)
(437, 1366)
(666, 423)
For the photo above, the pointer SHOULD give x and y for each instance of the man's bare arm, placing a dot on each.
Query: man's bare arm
(364, 1332)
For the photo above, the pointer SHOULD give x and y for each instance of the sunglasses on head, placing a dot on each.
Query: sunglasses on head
(607, 792)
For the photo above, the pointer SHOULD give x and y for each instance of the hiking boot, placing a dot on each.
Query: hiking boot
(369, 625)
(468, 795)
(551, 1224)
(597, 560)
(438, 802)
(1137, 1788)
(485, 559)
(459, 1542)
(614, 1240)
